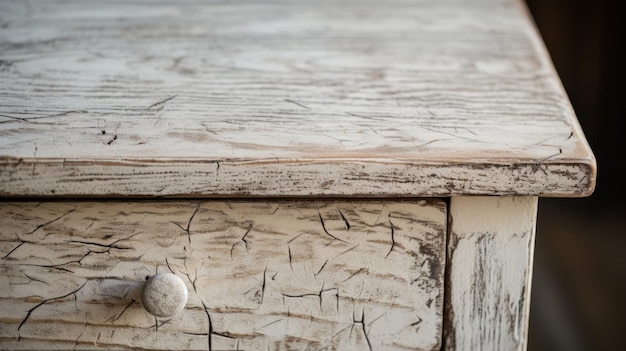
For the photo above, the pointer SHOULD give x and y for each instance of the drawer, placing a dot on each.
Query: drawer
(279, 275)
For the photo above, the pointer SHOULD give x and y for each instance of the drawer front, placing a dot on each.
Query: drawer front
(282, 275)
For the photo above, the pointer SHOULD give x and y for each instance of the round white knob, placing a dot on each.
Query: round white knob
(164, 295)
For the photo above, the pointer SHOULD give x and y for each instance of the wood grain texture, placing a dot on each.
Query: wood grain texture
(261, 276)
(282, 98)
(489, 270)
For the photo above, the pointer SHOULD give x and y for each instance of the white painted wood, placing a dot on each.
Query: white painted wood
(367, 98)
(489, 269)
(299, 275)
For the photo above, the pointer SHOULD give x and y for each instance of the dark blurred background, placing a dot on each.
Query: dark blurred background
(579, 282)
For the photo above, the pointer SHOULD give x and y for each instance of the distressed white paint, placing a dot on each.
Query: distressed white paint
(489, 269)
(276, 275)
(281, 98)
(318, 98)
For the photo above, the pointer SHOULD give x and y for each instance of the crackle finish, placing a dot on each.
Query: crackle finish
(280, 275)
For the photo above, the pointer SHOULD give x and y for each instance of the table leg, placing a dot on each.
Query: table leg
(489, 271)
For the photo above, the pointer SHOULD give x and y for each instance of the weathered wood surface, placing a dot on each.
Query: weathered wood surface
(282, 98)
(261, 276)
(489, 269)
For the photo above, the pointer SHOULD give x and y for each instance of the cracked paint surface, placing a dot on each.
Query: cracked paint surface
(287, 275)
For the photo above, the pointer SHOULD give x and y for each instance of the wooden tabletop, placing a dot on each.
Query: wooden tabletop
(283, 98)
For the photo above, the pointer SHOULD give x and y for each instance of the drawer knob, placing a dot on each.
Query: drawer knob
(164, 295)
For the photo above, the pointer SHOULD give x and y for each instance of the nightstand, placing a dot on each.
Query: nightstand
(285, 175)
